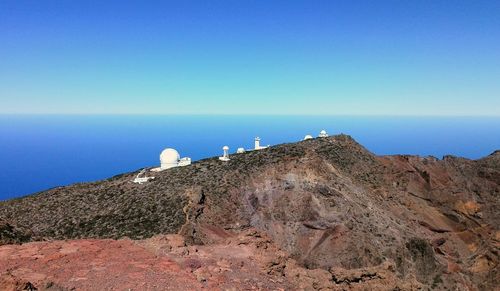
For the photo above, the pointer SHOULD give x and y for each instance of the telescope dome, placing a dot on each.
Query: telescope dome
(169, 158)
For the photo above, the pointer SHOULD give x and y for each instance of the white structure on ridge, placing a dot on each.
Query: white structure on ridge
(240, 150)
(308, 136)
(225, 156)
(141, 180)
(184, 162)
(170, 158)
(323, 133)
(257, 144)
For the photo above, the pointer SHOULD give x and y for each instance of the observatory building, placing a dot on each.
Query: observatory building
(225, 156)
(141, 180)
(323, 133)
(308, 136)
(257, 144)
(170, 158)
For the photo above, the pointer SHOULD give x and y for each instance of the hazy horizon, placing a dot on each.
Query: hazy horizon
(252, 114)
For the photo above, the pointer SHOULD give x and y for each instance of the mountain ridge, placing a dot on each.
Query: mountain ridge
(327, 202)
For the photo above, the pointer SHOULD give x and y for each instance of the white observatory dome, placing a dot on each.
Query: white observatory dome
(225, 148)
(308, 137)
(169, 158)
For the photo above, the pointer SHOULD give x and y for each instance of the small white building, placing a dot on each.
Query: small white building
(323, 133)
(240, 150)
(225, 155)
(141, 180)
(170, 158)
(308, 136)
(257, 144)
(184, 162)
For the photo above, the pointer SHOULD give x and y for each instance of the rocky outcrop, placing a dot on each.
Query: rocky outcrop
(341, 216)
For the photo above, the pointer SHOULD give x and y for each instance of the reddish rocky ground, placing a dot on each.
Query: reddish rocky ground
(129, 265)
(244, 261)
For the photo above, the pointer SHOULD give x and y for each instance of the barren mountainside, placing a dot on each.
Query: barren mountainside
(338, 215)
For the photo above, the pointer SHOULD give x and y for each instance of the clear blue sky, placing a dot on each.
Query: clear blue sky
(422, 57)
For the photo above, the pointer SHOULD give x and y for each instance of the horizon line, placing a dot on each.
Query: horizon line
(249, 114)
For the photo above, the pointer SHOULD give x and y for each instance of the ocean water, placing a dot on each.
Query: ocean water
(44, 151)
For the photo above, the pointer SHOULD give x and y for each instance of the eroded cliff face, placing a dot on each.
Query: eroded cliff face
(338, 206)
(343, 216)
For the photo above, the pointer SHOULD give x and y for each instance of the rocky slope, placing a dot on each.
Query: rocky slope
(342, 217)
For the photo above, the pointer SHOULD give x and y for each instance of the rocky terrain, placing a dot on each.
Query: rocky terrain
(318, 214)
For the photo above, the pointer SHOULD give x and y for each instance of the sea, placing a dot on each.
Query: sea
(38, 152)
